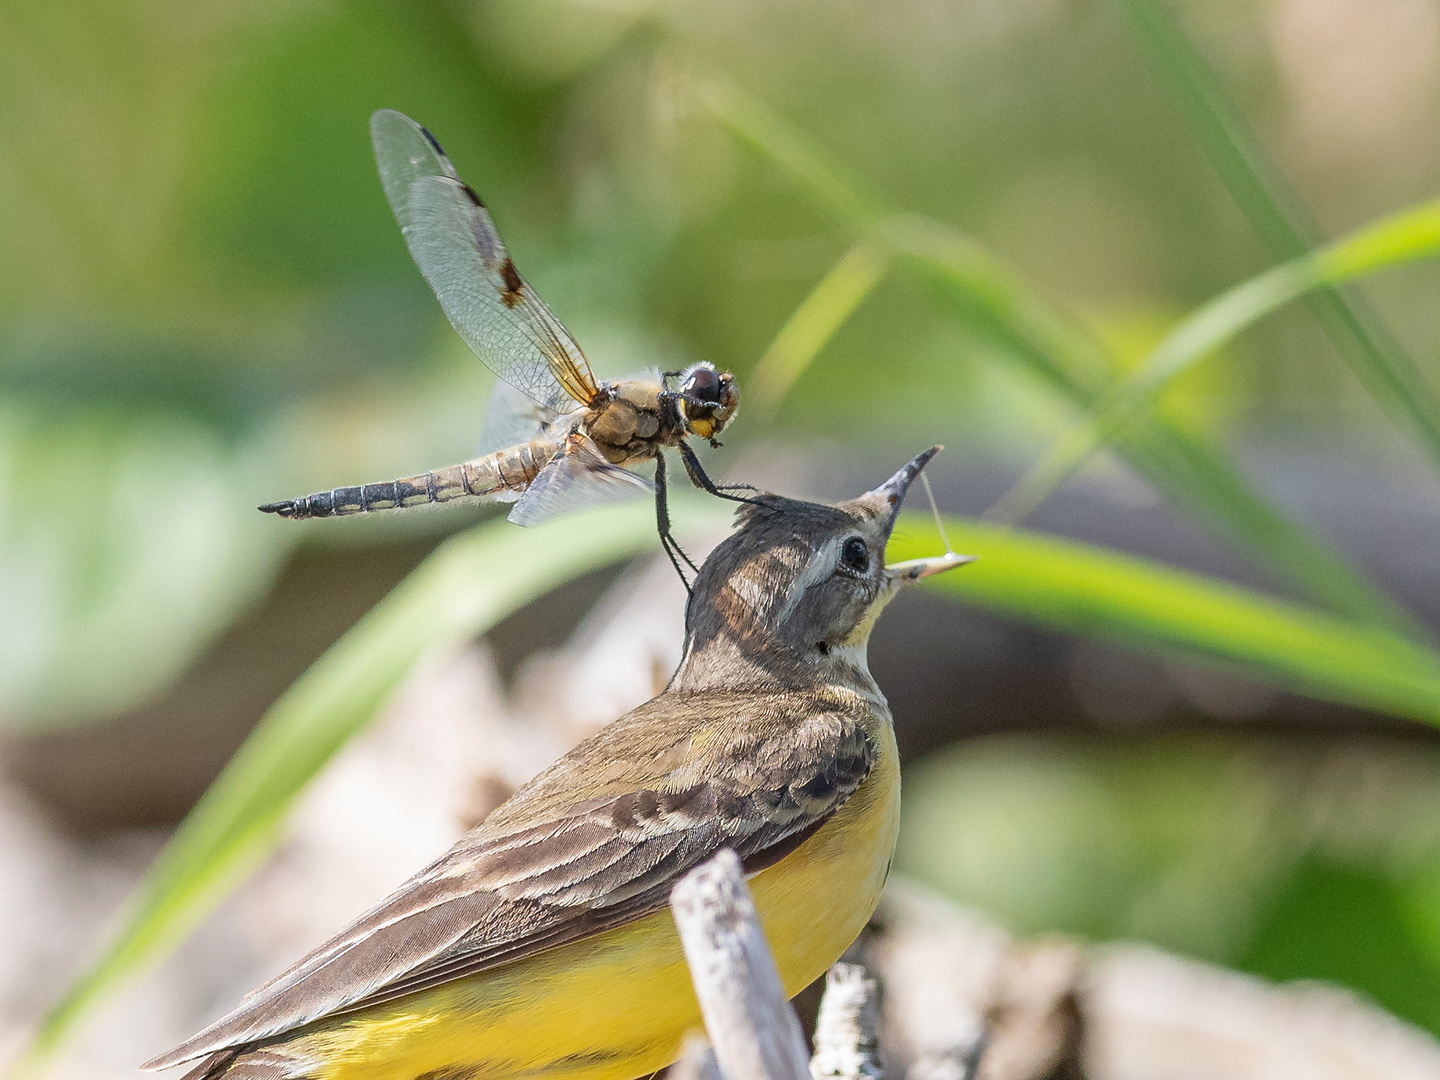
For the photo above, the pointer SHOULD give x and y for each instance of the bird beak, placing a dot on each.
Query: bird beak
(903, 573)
(887, 499)
(888, 496)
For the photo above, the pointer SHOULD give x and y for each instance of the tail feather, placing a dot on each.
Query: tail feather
(259, 1064)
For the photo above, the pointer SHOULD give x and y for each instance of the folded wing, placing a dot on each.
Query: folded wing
(556, 864)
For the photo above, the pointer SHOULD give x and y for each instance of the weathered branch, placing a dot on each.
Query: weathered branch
(697, 1061)
(752, 1027)
(847, 1040)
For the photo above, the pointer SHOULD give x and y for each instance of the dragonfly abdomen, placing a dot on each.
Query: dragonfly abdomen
(509, 470)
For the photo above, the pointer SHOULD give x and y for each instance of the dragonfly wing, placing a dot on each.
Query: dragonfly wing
(404, 152)
(512, 418)
(454, 243)
(577, 478)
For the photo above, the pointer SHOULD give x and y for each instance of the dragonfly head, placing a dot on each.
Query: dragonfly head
(708, 399)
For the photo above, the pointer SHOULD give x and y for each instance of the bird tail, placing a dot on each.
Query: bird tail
(261, 1063)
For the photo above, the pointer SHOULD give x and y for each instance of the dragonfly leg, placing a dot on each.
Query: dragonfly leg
(662, 520)
(701, 479)
(673, 396)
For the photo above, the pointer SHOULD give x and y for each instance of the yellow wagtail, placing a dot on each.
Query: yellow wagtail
(541, 945)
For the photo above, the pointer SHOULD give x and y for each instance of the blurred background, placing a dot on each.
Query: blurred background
(206, 304)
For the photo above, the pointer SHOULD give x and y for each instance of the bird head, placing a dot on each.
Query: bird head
(791, 596)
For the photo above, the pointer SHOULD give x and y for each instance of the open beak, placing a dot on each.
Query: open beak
(889, 495)
(902, 573)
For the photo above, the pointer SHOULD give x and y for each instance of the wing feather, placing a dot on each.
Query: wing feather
(679, 781)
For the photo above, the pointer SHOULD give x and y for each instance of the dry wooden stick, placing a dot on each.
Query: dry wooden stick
(752, 1027)
(697, 1061)
(847, 1042)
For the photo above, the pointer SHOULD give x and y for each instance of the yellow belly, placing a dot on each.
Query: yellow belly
(616, 1006)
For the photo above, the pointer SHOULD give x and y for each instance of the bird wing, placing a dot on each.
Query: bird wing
(595, 841)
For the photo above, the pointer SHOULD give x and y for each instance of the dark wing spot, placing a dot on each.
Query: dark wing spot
(766, 857)
(732, 805)
(635, 807)
(511, 293)
(819, 787)
(470, 193)
(433, 141)
(694, 800)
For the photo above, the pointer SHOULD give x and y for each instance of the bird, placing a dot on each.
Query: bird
(541, 944)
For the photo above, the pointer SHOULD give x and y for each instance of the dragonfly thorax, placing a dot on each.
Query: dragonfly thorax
(627, 423)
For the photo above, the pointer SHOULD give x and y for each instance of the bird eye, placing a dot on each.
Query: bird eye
(855, 555)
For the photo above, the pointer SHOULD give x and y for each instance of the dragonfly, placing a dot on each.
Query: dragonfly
(556, 438)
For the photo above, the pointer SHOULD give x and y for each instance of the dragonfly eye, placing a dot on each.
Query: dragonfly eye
(703, 383)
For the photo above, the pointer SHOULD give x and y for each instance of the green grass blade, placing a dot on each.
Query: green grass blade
(1408, 236)
(1087, 590)
(811, 326)
(1194, 473)
(821, 176)
(1362, 339)
(467, 585)
(1217, 494)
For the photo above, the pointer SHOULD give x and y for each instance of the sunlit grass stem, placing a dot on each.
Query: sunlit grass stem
(1381, 364)
(1190, 468)
(1408, 236)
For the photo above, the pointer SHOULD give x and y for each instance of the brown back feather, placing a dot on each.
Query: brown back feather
(558, 863)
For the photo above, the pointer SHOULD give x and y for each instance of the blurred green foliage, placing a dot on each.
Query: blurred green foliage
(1289, 860)
(205, 304)
(194, 242)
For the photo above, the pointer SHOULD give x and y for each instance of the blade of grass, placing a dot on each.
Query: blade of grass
(1404, 237)
(1383, 367)
(1098, 593)
(1193, 473)
(465, 587)
(811, 326)
(819, 175)
(1191, 470)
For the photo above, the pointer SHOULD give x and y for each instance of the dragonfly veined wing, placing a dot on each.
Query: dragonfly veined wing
(512, 418)
(576, 478)
(454, 243)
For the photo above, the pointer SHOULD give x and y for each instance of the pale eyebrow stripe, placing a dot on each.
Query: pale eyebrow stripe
(822, 565)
